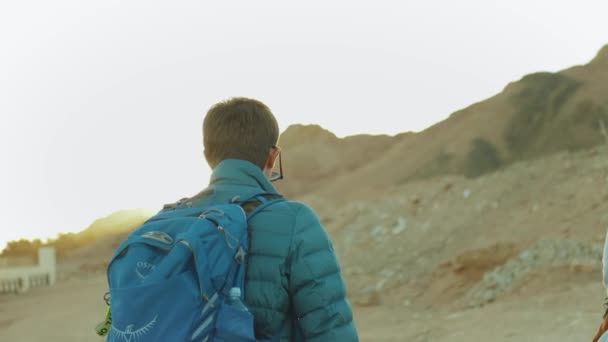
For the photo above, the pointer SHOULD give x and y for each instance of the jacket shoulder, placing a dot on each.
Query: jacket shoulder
(298, 207)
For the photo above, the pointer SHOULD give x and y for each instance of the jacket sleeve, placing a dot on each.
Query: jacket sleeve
(316, 286)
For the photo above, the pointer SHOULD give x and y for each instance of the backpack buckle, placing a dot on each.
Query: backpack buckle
(211, 212)
(239, 257)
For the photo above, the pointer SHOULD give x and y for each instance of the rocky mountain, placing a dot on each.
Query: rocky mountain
(507, 198)
(541, 114)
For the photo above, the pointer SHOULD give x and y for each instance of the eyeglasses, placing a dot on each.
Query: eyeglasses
(275, 176)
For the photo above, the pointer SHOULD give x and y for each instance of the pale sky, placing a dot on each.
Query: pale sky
(102, 102)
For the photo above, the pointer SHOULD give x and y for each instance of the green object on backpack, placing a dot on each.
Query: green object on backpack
(104, 327)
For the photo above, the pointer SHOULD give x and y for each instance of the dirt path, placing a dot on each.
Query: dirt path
(69, 311)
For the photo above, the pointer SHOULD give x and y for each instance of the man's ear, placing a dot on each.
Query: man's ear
(272, 158)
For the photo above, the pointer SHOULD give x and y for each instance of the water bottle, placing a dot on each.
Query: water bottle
(235, 300)
(234, 322)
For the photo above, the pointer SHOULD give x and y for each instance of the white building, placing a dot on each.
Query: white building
(21, 279)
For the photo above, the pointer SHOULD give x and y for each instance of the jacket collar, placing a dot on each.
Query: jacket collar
(242, 173)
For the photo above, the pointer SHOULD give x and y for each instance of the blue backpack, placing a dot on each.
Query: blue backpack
(172, 278)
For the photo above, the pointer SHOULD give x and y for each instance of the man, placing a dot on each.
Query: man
(293, 284)
(601, 335)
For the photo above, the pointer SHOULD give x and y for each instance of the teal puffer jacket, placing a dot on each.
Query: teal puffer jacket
(293, 282)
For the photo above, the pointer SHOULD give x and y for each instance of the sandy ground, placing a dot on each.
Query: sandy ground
(451, 242)
(68, 312)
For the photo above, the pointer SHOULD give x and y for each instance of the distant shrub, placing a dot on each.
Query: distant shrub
(116, 224)
(579, 128)
(63, 244)
(22, 248)
(590, 113)
(66, 243)
(483, 157)
(441, 164)
(537, 105)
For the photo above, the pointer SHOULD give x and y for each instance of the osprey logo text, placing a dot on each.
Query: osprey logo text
(143, 269)
(159, 236)
(130, 335)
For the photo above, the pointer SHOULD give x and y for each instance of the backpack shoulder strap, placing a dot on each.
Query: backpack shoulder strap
(187, 201)
(256, 203)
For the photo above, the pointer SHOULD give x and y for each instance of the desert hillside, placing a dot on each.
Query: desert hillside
(509, 256)
(487, 226)
(541, 114)
(99, 239)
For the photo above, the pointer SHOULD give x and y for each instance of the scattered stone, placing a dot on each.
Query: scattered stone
(378, 232)
(369, 297)
(578, 256)
(401, 225)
